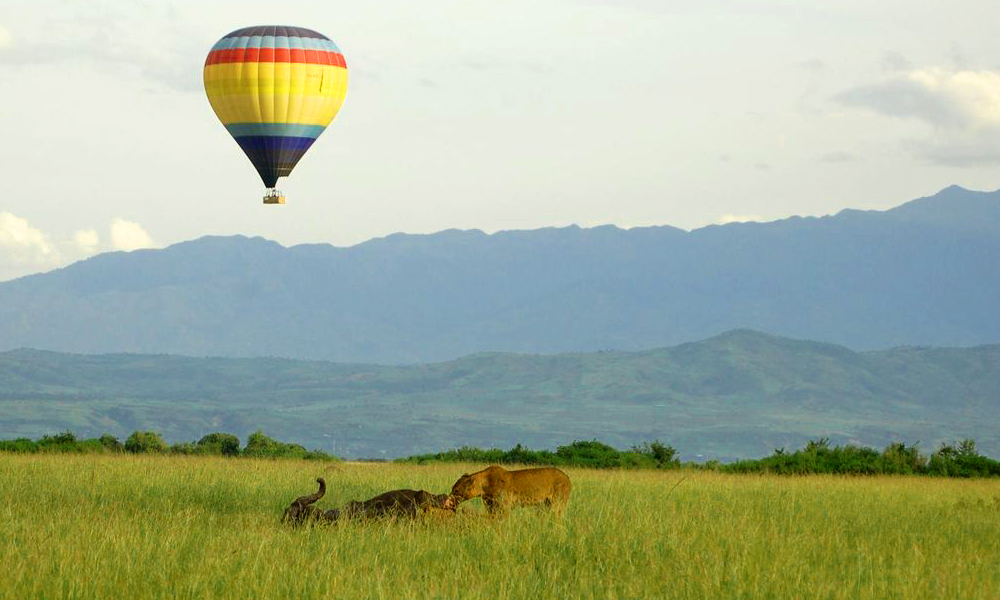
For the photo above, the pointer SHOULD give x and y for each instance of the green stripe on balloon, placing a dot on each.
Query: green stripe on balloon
(275, 130)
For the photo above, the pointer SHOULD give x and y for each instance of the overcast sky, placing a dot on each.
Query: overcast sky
(492, 115)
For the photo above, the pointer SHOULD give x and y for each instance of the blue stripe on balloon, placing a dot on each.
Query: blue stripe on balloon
(275, 130)
(280, 41)
(270, 143)
(225, 43)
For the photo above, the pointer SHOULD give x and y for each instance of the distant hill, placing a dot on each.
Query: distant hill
(740, 394)
(925, 273)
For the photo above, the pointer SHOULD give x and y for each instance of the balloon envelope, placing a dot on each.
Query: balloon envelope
(275, 89)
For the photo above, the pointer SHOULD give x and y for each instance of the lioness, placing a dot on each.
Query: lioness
(397, 503)
(500, 488)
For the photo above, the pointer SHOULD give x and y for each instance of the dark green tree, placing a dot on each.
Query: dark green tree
(225, 444)
(111, 443)
(141, 442)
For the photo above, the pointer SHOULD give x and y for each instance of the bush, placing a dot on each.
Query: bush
(144, 442)
(61, 442)
(111, 443)
(261, 446)
(665, 457)
(91, 446)
(184, 448)
(60, 439)
(225, 444)
(962, 460)
(23, 445)
(900, 458)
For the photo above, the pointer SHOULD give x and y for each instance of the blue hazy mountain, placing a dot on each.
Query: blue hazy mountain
(924, 273)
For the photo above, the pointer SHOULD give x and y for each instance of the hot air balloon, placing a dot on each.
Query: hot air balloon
(275, 89)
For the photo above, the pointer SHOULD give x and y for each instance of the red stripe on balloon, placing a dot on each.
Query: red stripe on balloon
(278, 55)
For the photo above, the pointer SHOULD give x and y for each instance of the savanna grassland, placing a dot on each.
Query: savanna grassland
(134, 527)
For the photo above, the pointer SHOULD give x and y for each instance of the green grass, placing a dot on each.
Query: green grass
(178, 527)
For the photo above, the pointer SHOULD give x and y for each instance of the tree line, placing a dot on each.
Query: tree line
(258, 445)
(959, 459)
(592, 454)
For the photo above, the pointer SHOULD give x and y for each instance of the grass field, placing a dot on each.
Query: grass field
(177, 527)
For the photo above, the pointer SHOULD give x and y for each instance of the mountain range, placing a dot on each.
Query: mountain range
(736, 395)
(924, 273)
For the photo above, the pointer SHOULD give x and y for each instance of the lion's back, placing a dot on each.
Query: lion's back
(540, 484)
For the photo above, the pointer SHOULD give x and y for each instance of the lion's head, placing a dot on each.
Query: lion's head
(466, 488)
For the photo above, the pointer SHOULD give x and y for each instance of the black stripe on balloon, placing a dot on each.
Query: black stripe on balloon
(274, 156)
(271, 29)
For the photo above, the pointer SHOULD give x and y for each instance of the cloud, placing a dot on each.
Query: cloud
(87, 240)
(731, 218)
(5, 38)
(117, 41)
(963, 100)
(128, 235)
(23, 244)
(962, 107)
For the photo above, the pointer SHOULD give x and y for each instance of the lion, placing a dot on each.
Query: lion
(501, 489)
(396, 503)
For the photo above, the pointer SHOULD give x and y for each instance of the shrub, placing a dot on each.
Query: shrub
(261, 446)
(61, 442)
(64, 438)
(225, 444)
(142, 442)
(962, 460)
(111, 443)
(19, 445)
(184, 448)
(665, 457)
(902, 459)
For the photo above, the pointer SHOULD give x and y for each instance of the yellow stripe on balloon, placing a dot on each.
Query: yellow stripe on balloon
(307, 110)
(276, 92)
(298, 76)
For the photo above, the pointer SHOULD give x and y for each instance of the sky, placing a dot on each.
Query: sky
(483, 115)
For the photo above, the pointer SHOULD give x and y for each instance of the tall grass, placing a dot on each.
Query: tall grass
(174, 527)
